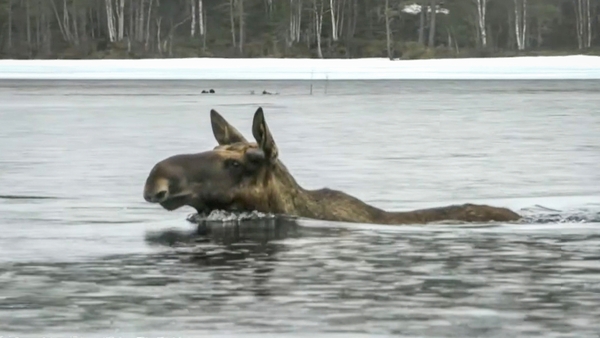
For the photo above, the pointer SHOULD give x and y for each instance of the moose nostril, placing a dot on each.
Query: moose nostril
(160, 195)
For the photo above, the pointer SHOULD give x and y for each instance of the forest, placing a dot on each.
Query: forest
(416, 29)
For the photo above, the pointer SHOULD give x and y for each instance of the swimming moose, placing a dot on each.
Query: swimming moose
(241, 176)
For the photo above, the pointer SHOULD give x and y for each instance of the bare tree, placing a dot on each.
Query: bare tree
(422, 22)
(481, 13)
(521, 23)
(241, 24)
(388, 30)
(356, 27)
(232, 21)
(193, 25)
(335, 8)
(110, 20)
(295, 20)
(318, 22)
(433, 12)
(121, 16)
(583, 23)
(148, 18)
(202, 22)
(10, 23)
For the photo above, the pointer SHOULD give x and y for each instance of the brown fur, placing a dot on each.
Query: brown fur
(241, 176)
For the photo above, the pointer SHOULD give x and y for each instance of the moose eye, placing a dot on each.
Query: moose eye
(233, 164)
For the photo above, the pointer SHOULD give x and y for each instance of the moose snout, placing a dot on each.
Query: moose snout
(155, 197)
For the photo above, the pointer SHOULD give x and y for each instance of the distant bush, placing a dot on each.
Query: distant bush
(413, 50)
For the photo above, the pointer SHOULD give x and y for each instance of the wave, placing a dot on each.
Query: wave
(535, 215)
(542, 215)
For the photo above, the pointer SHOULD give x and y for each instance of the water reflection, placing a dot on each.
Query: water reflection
(259, 230)
(233, 244)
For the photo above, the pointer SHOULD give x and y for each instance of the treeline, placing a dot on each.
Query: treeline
(295, 28)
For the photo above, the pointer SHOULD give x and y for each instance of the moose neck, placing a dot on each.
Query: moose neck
(288, 197)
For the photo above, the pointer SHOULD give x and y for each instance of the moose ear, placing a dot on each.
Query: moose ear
(263, 136)
(224, 132)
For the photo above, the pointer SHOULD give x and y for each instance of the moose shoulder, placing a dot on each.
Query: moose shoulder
(238, 175)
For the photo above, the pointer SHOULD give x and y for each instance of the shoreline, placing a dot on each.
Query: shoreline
(577, 66)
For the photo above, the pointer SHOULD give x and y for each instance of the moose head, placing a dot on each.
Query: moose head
(236, 175)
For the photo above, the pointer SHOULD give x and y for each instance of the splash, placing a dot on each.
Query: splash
(543, 215)
(228, 217)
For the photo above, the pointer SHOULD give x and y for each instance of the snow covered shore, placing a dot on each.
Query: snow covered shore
(551, 67)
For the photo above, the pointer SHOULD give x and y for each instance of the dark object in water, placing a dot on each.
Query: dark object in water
(212, 91)
(204, 91)
(241, 176)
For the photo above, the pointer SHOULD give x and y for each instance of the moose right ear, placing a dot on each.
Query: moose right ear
(263, 136)
(224, 132)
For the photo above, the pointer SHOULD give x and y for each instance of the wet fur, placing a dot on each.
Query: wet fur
(206, 181)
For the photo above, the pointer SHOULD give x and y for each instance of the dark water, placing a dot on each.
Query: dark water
(82, 254)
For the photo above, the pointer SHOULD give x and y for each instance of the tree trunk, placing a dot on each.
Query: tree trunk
(422, 23)
(334, 34)
(388, 33)
(66, 25)
(431, 43)
(201, 18)
(38, 38)
(110, 20)
(340, 17)
(510, 40)
(60, 23)
(148, 18)
(75, 33)
(47, 35)
(121, 15)
(90, 13)
(139, 23)
(133, 22)
(583, 23)
(193, 24)
(589, 24)
(158, 29)
(318, 21)
(295, 22)
(579, 23)
(241, 26)
(539, 33)
(28, 19)
(521, 23)
(232, 21)
(203, 28)
(481, 9)
(10, 22)
(351, 23)
(455, 41)
(524, 31)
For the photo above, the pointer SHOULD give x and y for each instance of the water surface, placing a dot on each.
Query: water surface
(82, 253)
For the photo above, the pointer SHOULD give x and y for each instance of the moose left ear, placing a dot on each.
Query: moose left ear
(263, 136)
(224, 132)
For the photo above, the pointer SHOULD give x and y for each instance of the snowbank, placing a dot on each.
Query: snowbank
(554, 67)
